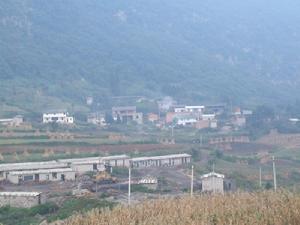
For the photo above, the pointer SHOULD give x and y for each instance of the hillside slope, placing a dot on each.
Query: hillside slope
(55, 53)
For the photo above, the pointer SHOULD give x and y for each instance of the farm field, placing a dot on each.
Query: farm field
(236, 209)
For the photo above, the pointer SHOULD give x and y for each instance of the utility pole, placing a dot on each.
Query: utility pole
(260, 183)
(201, 140)
(129, 184)
(274, 175)
(192, 181)
(213, 179)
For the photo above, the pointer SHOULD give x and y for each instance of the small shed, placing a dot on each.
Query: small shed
(212, 182)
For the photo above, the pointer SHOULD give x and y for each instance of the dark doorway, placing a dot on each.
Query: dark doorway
(36, 177)
(63, 177)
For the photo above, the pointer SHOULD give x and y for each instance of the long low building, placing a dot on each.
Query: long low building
(8, 167)
(158, 161)
(92, 164)
(117, 160)
(59, 174)
(20, 199)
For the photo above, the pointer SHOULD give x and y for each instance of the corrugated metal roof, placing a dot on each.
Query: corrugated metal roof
(31, 165)
(28, 172)
(213, 174)
(174, 156)
(20, 194)
(115, 157)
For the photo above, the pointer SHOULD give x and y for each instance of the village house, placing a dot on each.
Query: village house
(127, 113)
(58, 117)
(97, 119)
(152, 117)
(165, 104)
(161, 161)
(20, 199)
(185, 120)
(12, 122)
(43, 175)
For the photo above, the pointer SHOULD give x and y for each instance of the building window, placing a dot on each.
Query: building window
(54, 175)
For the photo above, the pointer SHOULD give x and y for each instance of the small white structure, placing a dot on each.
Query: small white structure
(148, 180)
(213, 182)
(58, 117)
(60, 174)
(158, 161)
(20, 199)
(13, 122)
(8, 167)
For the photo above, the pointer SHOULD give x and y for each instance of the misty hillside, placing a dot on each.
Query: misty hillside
(53, 54)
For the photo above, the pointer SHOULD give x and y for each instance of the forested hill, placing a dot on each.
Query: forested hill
(55, 53)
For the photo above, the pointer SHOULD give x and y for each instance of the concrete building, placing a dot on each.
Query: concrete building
(58, 117)
(12, 122)
(8, 167)
(213, 182)
(59, 174)
(126, 114)
(159, 161)
(20, 199)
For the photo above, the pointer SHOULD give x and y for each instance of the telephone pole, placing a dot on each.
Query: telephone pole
(129, 185)
(274, 175)
(192, 181)
(260, 183)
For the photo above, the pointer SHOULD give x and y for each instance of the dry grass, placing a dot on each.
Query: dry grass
(237, 209)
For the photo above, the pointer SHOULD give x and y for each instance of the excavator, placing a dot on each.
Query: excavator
(104, 177)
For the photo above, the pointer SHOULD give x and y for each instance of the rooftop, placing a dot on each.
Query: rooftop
(213, 174)
(174, 156)
(27, 172)
(31, 165)
(20, 194)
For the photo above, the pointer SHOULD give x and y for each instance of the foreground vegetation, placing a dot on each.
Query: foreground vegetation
(49, 211)
(236, 209)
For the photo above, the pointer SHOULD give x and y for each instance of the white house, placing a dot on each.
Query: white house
(58, 117)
